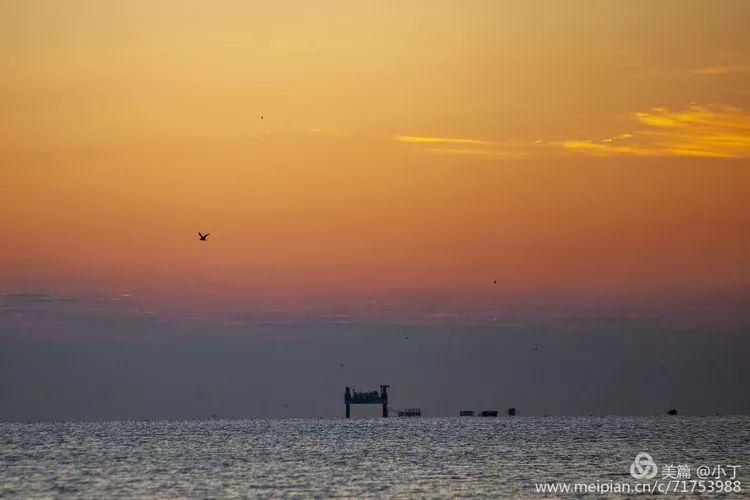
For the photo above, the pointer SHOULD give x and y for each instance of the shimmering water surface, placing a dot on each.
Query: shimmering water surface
(397, 457)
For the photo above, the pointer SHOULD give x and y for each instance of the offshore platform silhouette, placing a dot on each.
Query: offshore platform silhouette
(366, 398)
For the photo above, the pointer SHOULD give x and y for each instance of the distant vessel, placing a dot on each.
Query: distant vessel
(511, 412)
(672, 411)
(410, 412)
(472, 413)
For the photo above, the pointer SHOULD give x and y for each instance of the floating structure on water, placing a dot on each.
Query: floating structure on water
(410, 412)
(472, 413)
(511, 412)
(352, 397)
(672, 411)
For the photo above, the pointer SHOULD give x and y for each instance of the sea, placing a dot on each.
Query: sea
(473, 457)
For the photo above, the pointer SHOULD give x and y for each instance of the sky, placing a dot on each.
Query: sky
(484, 204)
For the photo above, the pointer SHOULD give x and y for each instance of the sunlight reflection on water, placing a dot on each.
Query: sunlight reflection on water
(400, 457)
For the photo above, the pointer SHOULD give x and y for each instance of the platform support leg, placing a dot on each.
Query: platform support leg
(385, 410)
(348, 410)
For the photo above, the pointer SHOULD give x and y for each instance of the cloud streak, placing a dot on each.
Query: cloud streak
(478, 148)
(710, 131)
(415, 139)
(721, 70)
(697, 131)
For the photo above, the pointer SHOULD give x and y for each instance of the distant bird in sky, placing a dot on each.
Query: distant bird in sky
(536, 349)
(261, 117)
(203, 236)
(342, 364)
(494, 282)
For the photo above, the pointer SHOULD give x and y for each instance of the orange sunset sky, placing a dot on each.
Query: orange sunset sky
(577, 147)
(542, 204)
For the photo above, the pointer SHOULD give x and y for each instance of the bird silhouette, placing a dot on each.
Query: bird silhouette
(203, 236)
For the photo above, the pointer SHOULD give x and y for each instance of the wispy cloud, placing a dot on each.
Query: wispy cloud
(73, 316)
(720, 70)
(470, 147)
(508, 154)
(31, 298)
(697, 131)
(415, 139)
(704, 131)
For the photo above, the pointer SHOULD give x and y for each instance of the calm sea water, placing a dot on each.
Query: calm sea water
(396, 457)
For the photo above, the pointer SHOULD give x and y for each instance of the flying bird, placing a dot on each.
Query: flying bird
(203, 236)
